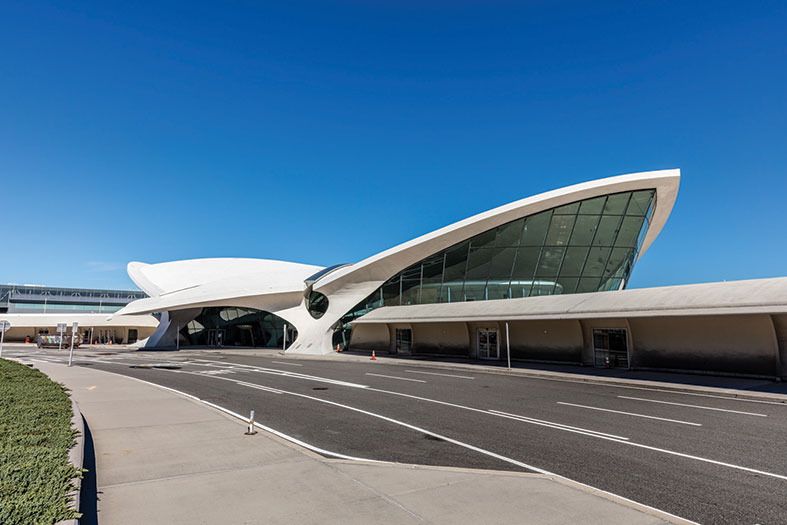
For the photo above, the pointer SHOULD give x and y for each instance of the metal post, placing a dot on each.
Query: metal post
(91, 336)
(177, 338)
(60, 342)
(2, 336)
(284, 339)
(251, 431)
(71, 352)
(508, 347)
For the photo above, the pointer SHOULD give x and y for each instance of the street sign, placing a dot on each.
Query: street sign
(74, 328)
(61, 327)
(4, 327)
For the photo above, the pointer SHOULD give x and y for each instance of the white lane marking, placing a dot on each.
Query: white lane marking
(433, 434)
(395, 377)
(693, 406)
(630, 414)
(780, 403)
(283, 363)
(550, 424)
(286, 373)
(436, 374)
(676, 392)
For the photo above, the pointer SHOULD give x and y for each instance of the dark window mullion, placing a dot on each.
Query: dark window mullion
(590, 245)
(540, 253)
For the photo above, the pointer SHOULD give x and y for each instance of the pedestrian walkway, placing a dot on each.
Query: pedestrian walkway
(164, 458)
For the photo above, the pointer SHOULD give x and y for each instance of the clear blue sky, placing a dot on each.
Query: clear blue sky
(326, 132)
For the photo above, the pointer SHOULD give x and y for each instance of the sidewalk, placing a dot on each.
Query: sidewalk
(164, 458)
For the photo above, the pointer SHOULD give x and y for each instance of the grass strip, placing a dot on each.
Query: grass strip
(35, 437)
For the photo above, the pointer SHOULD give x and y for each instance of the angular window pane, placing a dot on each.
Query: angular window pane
(433, 268)
(498, 289)
(629, 231)
(617, 259)
(592, 206)
(640, 202)
(509, 234)
(560, 230)
(550, 262)
(584, 230)
(451, 292)
(566, 285)
(484, 239)
(477, 272)
(391, 292)
(432, 277)
(588, 284)
(609, 284)
(455, 263)
(597, 261)
(607, 229)
(500, 269)
(568, 209)
(573, 261)
(524, 271)
(616, 204)
(478, 265)
(474, 292)
(543, 287)
(411, 284)
(536, 229)
(502, 264)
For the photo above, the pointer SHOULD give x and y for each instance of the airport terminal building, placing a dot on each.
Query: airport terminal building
(542, 278)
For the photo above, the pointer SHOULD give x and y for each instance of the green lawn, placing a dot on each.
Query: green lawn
(35, 436)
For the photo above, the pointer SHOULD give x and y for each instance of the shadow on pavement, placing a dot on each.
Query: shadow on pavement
(88, 499)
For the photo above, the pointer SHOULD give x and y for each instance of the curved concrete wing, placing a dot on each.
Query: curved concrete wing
(381, 266)
(182, 289)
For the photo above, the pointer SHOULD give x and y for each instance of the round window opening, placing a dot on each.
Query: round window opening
(317, 304)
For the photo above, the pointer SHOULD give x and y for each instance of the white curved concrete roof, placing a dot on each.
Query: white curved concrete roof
(385, 264)
(733, 297)
(202, 281)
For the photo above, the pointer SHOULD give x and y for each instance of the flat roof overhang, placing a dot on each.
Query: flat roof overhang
(757, 296)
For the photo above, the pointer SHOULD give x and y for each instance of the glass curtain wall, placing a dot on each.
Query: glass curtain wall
(231, 326)
(585, 246)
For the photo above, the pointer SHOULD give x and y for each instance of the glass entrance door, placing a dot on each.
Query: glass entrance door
(488, 344)
(404, 340)
(215, 337)
(610, 348)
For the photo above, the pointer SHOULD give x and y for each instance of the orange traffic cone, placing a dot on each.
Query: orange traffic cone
(110, 342)
(373, 358)
(337, 348)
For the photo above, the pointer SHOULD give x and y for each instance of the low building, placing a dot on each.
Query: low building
(94, 328)
(35, 310)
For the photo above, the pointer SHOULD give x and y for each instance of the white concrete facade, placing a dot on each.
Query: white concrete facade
(180, 290)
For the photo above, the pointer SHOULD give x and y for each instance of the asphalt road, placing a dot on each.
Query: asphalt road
(704, 458)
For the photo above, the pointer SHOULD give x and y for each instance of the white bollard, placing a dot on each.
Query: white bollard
(251, 431)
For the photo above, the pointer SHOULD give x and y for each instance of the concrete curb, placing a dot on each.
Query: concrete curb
(76, 456)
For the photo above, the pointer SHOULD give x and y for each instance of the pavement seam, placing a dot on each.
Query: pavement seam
(382, 496)
(189, 475)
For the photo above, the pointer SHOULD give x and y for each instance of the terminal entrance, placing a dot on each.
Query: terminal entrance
(610, 348)
(228, 326)
(488, 343)
(404, 340)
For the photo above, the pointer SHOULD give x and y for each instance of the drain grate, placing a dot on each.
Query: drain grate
(320, 388)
